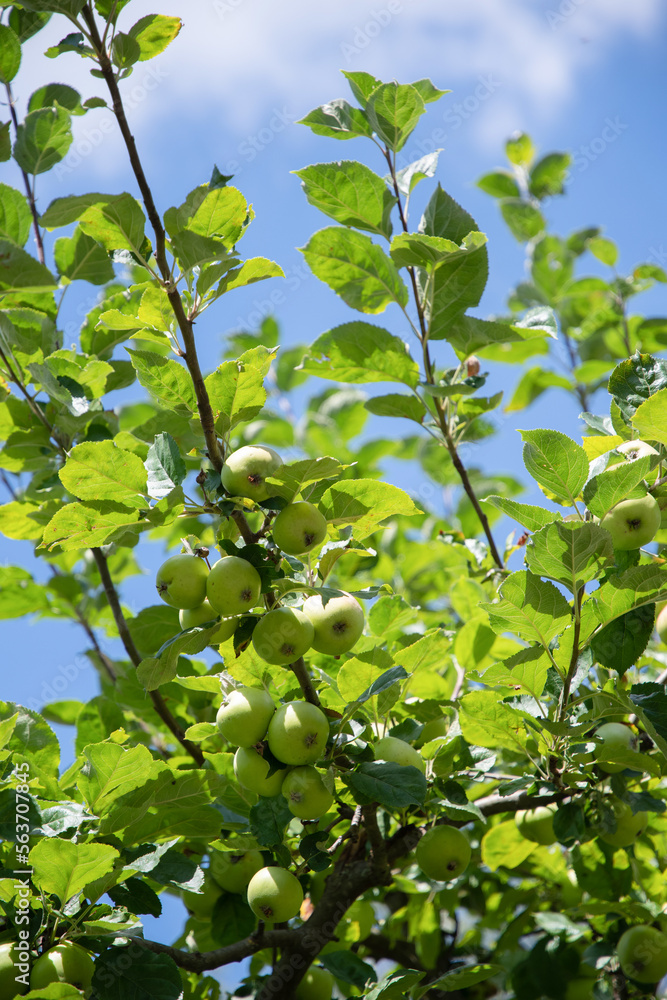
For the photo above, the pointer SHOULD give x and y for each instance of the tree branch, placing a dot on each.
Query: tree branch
(29, 192)
(300, 671)
(134, 655)
(195, 961)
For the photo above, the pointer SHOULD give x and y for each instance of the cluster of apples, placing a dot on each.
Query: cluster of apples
(64, 963)
(232, 587)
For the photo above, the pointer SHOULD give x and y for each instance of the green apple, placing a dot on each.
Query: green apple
(306, 794)
(202, 903)
(632, 450)
(537, 824)
(245, 471)
(399, 752)
(275, 895)
(181, 581)
(661, 624)
(443, 853)
(66, 963)
(232, 872)
(298, 733)
(642, 953)
(9, 959)
(338, 623)
(580, 988)
(433, 729)
(252, 772)
(244, 716)
(614, 736)
(233, 586)
(282, 635)
(202, 615)
(629, 825)
(317, 984)
(299, 528)
(633, 523)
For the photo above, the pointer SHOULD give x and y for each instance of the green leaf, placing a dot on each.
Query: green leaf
(172, 804)
(164, 466)
(19, 271)
(65, 869)
(117, 224)
(634, 588)
(651, 703)
(469, 335)
(42, 139)
(619, 644)
(528, 668)
(605, 490)
(337, 120)
(162, 668)
(487, 722)
(395, 405)
(350, 193)
(503, 846)
(15, 216)
(98, 470)
(394, 985)
(360, 352)
(56, 93)
(385, 681)
(236, 388)
(462, 979)
(605, 250)
(64, 211)
(408, 178)
(355, 268)
(219, 213)
(547, 178)
(112, 770)
(364, 503)
(499, 184)
(10, 54)
(268, 820)
(153, 34)
(533, 608)
(250, 271)
(166, 379)
(570, 552)
(451, 288)
(523, 219)
(445, 218)
(81, 258)
(393, 111)
(80, 526)
(293, 477)
(531, 517)
(650, 419)
(19, 594)
(395, 786)
(346, 965)
(532, 384)
(427, 91)
(122, 972)
(520, 149)
(55, 991)
(636, 380)
(420, 250)
(556, 462)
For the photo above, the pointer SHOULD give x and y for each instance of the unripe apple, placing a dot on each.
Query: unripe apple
(275, 895)
(537, 824)
(252, 772)
(614, 736)
(443, 853)
(244, 716)
(282, 635)
(233, 586)
(632, 450)
(9, 987)
(633, 523)
(232, 872)
(629, 825)
(338, 623)
(202, 615)
(399, 752)
(245, 471)
(181, 581)
(306, 794)
(317, 984)
(202, 903)
(299, 527)
(298, 733)
(66, 963)
(642, 953)
(661, 624)
(433, 729)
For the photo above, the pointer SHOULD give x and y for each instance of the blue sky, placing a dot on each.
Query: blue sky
(587, 76)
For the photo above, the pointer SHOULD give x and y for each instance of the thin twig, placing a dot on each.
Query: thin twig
(29, 192)
(300, 671)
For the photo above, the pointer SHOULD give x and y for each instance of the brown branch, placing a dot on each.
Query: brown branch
(195, 961)
(300, 671)
(491, 805)
(29, 192)
(185, 325)
(572, 668)
(134, 655)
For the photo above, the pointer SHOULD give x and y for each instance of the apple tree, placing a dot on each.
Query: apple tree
(356, 741)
